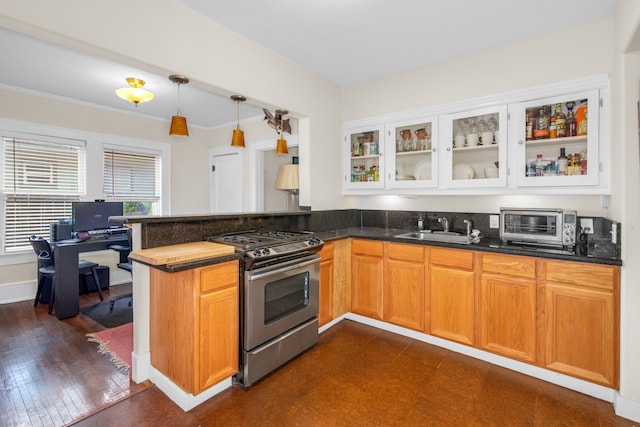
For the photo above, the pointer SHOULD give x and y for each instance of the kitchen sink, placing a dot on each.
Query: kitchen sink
(438, 236)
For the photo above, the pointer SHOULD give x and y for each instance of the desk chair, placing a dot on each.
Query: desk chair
(46, 269)
(124, 264)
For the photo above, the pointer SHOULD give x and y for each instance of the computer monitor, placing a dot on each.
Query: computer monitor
(94, 215)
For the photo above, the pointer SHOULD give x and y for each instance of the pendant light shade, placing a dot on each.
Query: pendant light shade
(237, 140)
(134, 93)
(281, 147)
(178, 126)
(178, 122)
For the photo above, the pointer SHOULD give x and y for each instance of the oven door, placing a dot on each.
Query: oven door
(279, 297)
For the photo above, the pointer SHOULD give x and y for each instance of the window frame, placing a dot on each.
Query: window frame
(95, 145)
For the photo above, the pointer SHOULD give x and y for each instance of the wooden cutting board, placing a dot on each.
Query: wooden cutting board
(178, 254)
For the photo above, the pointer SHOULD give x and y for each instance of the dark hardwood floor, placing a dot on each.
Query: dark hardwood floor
(356, 375)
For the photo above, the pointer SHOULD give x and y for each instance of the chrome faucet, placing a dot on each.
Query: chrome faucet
(420, 223)
(445, 224)
(468, 224)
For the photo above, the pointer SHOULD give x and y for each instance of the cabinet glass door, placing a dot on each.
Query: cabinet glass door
(475, 148)
(365, 161)
(557, 140)
(412, 147)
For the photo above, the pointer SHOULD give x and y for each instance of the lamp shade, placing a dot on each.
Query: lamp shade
(281, 148)
(288, 177)
(178, 126)
(237, 140)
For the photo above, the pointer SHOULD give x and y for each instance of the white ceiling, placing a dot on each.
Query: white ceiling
(345, 41)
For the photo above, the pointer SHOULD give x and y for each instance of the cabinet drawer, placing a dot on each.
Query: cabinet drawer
(451, 258)
(508, 264)
(403, 252)
(582, 274)
(219, 276)
(327, 252)
(367, 247)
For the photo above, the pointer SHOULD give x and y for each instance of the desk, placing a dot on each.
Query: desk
(67, 275)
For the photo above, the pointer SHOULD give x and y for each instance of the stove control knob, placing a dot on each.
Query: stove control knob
(256, 252)
(266, 251)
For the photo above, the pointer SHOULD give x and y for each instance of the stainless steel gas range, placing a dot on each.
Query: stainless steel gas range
(279, 297)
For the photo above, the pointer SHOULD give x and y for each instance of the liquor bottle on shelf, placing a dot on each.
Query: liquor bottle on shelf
(541, 130)
(553, 132)
(583, 163)
(539, 165)
(563, 162)
(530, 126)
(571, 124)
(561, 120)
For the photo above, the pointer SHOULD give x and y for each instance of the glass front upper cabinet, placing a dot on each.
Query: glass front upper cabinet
(365, 161)
(556, 140)
(411, 148)
(474, 152)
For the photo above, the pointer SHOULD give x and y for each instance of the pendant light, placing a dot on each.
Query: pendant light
(281, 147)
(238, 136)
(134, 93)
(178, 122)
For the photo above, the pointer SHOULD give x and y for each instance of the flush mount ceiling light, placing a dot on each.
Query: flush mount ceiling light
(178, 122)
(134, 93)
(238, 136)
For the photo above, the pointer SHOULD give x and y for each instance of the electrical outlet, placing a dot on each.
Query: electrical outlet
(614, 233)
(586, 223)
(494, 221)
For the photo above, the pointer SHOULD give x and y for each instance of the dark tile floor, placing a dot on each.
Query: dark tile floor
(362, 376)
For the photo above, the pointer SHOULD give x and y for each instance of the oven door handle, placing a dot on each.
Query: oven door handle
(297, 265)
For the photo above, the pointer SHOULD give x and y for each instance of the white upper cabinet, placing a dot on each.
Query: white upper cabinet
(556, 141)
(411, 150)
(546, 140)
(363, 148)
(474, 148)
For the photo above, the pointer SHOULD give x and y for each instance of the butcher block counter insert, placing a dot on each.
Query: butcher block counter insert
(181, 254)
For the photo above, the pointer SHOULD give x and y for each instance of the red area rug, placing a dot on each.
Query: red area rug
(117, 343)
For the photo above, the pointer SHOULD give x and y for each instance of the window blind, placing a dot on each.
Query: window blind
(40, 181)
(131, 176)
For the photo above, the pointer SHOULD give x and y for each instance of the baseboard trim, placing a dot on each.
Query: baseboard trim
(627, 408)
(16, 292)
(186, 401)
(585, 387)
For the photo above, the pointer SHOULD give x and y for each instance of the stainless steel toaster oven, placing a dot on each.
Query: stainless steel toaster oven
(547, 227)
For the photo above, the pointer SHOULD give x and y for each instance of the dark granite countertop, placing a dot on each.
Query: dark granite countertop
(486, 244)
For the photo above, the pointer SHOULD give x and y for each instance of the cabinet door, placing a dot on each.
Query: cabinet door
(581, 333)
(218, 354)
(581, 150)
(364, 166)
(325, 312)
(452, 304)
(341, 277)
(366, 285)
(411, 150)
(473, 148)
(404, 286)
(508, 316)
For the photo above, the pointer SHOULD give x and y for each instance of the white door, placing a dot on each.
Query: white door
(226, 181)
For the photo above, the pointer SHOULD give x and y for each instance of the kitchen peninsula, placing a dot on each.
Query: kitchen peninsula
(380, 227)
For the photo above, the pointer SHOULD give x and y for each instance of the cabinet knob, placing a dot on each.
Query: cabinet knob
(448, 148)
(520, 142)
(434, 149)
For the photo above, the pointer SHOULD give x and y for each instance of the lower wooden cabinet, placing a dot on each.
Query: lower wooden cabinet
(452, 294)
(367, 269)
(325, 312)
(581, 320)
(341, 277)
(194, 325)
(404, 297)
(508, 306)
